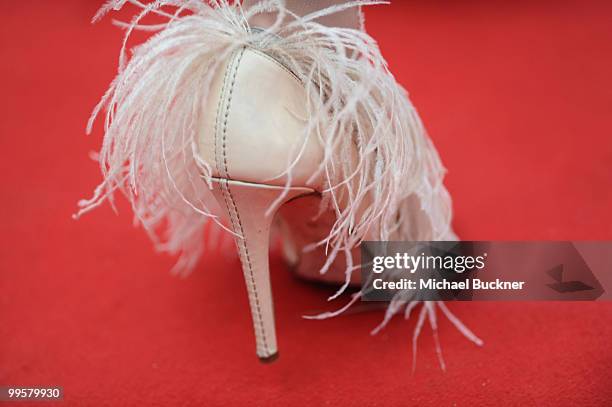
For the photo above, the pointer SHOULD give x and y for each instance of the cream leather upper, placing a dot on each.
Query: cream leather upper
(254, 121)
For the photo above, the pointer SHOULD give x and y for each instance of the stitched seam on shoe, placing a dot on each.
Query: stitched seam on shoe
(279, 64)
(227, 111)
(222, 98)
(235, 213)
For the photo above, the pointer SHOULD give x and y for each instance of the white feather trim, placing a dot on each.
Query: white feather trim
(153, 105)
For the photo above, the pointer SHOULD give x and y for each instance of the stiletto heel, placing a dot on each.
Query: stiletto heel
(245, 205)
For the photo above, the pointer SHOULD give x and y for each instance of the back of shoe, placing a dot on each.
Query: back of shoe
(254, 126)
(254, 130)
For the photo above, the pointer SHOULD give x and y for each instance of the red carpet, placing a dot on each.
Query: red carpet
(517, 97)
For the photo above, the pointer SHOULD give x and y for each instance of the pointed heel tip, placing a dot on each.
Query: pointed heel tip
(268, 359)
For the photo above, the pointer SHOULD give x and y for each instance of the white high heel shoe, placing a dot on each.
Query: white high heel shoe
(256, 118)
(253, 121)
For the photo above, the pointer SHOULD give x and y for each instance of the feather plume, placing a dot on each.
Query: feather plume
(152, 115)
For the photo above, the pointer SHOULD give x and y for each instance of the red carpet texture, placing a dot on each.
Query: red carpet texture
(517, 97)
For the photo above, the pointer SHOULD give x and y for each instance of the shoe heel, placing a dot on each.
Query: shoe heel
(246, 204)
